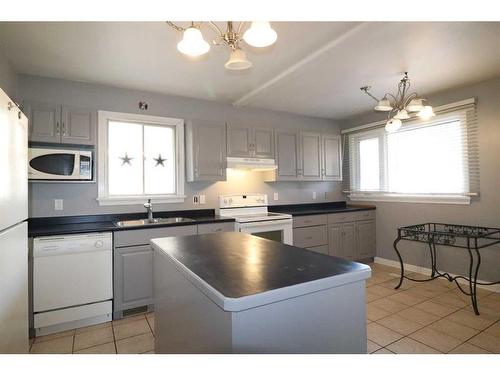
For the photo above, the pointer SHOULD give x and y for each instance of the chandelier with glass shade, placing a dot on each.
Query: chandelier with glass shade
(401, 105)
(259, 34)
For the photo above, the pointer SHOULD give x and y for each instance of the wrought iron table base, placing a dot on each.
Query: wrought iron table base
(427, 233)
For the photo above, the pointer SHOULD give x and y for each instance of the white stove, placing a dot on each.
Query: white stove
(251, 215)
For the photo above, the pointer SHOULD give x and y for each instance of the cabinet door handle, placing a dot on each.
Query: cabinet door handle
(64, 129)
(58, 130)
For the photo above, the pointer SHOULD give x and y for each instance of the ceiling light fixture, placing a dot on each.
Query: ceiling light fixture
(400, 105)
(259, 34)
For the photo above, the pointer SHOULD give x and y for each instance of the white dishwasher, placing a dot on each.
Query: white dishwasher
(72, 281)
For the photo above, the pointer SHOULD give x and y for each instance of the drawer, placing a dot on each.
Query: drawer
(215, 228)
(309, 220)
(310, 236)
(365, 215)
(143, 236)
(342, 217)
(323, 249)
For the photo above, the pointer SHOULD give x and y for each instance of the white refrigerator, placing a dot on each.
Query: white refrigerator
(13, 228)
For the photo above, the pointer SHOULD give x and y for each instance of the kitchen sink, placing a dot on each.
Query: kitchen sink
(155, 221)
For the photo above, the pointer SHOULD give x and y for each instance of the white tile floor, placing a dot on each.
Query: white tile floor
(431, 317)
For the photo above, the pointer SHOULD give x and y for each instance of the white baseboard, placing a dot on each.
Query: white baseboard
(427, 272)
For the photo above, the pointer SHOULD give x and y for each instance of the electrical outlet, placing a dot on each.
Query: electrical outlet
(314, 195)
(276, 196)
(196, 199)
(202, 199)
(58, 204)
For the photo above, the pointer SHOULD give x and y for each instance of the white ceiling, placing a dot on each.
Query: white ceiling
(315, 68)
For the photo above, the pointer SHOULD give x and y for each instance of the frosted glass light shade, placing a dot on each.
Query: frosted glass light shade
(192, 43)
(393, 125)
(426, 113)
(260, 34)
(415, 105)
(402, 115)
(383, 105)
(238, 60)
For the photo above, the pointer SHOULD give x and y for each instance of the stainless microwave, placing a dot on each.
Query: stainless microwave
(59, 165)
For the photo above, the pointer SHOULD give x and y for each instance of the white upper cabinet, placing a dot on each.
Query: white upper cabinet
(307, 156)
(250, 142)
(53, 123)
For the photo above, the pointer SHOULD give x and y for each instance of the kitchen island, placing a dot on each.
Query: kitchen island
(237, 293)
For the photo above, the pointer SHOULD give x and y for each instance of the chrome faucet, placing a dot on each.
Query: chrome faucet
(149, 206)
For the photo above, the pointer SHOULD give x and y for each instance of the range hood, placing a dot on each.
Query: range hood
(253, 164)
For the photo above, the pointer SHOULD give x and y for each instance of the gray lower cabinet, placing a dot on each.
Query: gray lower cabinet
(133, 266)
(366, 240)
(215, 228)
(205, 151)
(352, 235)
(250, 141)
(53, 123)
(311, 232)
(342, 240)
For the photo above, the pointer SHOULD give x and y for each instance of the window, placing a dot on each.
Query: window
(425, 161)
(140, 157)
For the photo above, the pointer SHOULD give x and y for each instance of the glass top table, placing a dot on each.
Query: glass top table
(471, 238)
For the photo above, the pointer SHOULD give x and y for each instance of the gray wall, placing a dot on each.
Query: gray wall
(81, 198)
(484, 210)
(8, 77)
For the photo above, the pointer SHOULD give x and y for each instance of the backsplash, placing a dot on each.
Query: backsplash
(80, 199)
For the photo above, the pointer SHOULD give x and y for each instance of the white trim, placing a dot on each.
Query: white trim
(444, 107)
(102, 187)
(410, 198)
(129, 200)
(427, 272)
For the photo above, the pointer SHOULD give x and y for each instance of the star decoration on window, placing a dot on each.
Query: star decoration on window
(126, 159)
(159, 161)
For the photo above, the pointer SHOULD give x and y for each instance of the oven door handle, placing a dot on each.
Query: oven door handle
(259, 224)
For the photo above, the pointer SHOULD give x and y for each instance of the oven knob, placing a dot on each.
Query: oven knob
(98, 244)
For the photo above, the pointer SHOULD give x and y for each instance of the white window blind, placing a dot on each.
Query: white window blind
(434, 160)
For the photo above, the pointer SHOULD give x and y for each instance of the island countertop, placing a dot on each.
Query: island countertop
(239, 271)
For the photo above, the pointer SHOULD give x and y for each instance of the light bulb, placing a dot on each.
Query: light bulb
(393, 125)
(238, 60)
(426, 113)
(260, 34)
(192, 43)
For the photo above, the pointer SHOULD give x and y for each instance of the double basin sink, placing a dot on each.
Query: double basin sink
(155, 221)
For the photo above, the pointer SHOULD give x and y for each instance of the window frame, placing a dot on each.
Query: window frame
(103, 197)
(385, 196)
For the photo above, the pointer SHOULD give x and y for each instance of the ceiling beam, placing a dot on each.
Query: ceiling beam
(245, 99)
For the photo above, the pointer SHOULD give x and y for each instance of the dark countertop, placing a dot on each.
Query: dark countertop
(238, 264)
(50, 226)
(318, 208)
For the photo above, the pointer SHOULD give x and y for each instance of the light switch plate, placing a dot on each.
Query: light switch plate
(202, 199)
(276, 196)
(58, 204)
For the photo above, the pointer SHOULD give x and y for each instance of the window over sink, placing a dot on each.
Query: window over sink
(140, 157)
